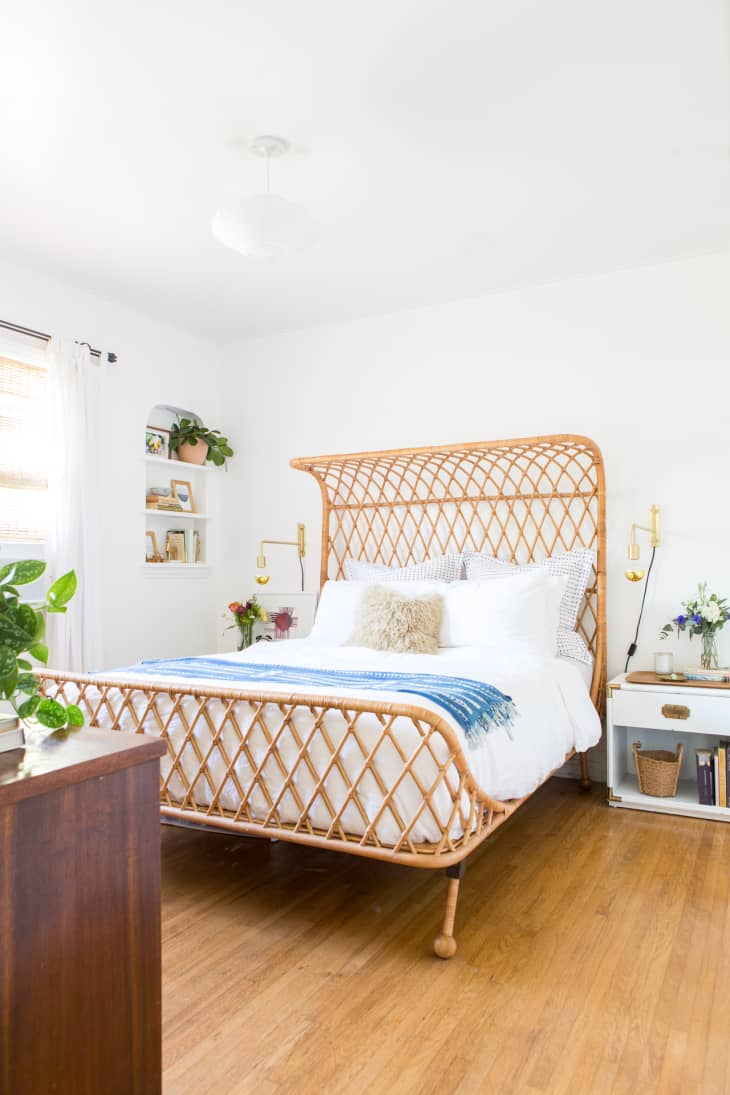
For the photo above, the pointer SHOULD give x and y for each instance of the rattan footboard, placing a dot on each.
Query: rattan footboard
(227, 719)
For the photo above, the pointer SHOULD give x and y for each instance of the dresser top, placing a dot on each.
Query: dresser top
(50, 761)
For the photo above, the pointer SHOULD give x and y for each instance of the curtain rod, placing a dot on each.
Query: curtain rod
(111, 358)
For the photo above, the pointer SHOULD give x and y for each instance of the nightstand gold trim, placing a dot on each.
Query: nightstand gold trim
(611, 688)
(612, 797)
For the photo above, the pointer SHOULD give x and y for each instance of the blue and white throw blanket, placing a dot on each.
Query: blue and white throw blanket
(476, 707)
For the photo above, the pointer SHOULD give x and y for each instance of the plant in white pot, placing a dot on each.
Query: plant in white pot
(22, 634)
(194, 443)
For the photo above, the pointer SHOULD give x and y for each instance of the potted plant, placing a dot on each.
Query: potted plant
(22, 635)
(194, 443)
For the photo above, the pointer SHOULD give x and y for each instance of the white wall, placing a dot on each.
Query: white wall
(638, 360)
(157, 364)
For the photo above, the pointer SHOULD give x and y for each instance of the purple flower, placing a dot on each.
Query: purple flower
(681, 620)
(697, 619)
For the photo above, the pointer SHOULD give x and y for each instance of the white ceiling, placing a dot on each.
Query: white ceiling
(446, 148)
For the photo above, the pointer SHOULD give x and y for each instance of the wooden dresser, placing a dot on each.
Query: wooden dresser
(80, 974)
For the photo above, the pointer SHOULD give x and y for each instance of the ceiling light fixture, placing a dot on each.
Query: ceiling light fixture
(264, 225)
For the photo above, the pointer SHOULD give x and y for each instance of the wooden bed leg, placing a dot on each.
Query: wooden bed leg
(585, 780)
(444, 945)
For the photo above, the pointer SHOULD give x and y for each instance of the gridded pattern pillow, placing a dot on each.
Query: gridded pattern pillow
(446, 568)
(576, 565)
(390, 621)
(573, 645)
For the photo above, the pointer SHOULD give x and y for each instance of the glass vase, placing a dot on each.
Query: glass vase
(709, 650)
(246, 635)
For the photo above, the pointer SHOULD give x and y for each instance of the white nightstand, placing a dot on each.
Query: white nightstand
(660, 716)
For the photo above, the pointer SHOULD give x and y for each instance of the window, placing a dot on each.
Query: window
(23, 451)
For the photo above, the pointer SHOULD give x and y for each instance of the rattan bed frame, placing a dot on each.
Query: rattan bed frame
(520, 500)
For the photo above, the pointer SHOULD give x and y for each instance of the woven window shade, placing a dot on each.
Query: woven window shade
(23, 451)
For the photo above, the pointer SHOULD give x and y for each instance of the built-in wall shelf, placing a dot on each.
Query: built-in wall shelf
(177, 465)
(173, 538)
(177, 514)
(176, 570)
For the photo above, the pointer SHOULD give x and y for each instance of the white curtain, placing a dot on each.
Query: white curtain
(73, 540)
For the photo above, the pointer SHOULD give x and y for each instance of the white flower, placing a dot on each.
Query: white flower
(711, 612)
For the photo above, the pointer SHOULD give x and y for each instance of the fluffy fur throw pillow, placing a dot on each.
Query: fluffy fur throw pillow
(389, 621)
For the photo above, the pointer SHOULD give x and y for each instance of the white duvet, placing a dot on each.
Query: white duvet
(555, 714)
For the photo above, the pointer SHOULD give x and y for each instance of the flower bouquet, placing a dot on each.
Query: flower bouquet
(245, 615)
(704, 616)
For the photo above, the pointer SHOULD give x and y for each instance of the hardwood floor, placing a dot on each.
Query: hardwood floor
(594, 956)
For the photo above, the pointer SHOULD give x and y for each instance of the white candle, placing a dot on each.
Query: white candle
(663, 661)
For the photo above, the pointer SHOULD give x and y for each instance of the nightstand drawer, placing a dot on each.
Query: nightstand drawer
(669, 710)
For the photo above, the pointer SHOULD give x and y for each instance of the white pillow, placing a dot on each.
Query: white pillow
(334, 623)
(446, 568)
(576, 565)
(573, 645)
(522, 611)
(336, 612)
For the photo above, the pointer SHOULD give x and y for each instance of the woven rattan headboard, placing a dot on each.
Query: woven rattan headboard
(520, 500)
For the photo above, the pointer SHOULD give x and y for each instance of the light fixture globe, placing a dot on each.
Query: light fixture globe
(264, 226)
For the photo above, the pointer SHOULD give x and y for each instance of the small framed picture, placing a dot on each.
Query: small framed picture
(153, 554)
(157, 442)
(183, 493)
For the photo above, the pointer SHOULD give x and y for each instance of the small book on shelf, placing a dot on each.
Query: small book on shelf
(723, 773)
(705, 777)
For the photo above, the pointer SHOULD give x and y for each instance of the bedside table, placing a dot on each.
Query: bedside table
(660, 716)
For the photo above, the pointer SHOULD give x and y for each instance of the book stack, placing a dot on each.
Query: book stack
(719, 676)
(167, 505)
(183, 546)
(11, 733)
(713, 775)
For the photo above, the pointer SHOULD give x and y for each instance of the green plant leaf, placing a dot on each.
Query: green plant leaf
(51, 714)
(62, 589)
(23, 572)
(8, 661)
(22, 663)
(61, 608)
(7, 685)
(11, 634)
(29, 707)
(26, 618)
(74, 715)
(27, 683)
(39, 651)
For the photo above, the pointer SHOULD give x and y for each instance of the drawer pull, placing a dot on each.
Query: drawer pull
(675, 711)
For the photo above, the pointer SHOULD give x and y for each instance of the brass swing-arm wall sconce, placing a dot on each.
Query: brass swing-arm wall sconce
(635, 574)
(300, 544)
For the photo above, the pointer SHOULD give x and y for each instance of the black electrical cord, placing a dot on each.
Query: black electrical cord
(634, 646)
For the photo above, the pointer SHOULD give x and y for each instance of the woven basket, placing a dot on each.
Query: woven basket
(657, 770)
